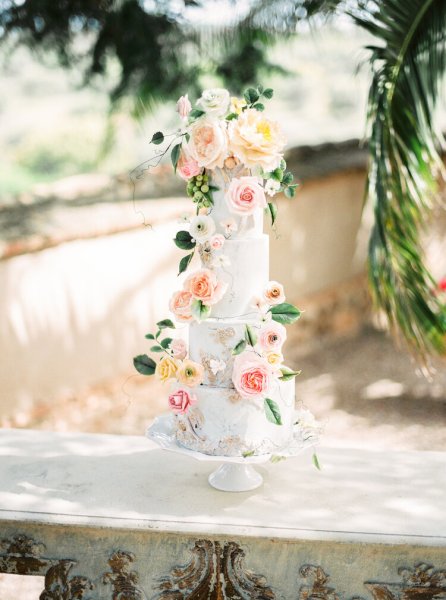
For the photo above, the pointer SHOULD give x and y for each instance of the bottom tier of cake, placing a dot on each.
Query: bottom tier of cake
(222, 423)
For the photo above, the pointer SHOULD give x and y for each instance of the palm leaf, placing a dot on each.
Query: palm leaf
(405, 163)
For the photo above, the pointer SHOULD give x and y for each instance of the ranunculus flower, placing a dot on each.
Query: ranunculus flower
(202, 227)
(180, 305)
(214, 102)
(208, 144)
(256, 140)
(217, 241)
(180, 401)
(166, 369)
(187, 167)
(178, 348)
(274, 293)
(252, 375)
(190, 373)
(245, 195)
(184, 106)
(275, 359)
(204, 285)
(272, 336)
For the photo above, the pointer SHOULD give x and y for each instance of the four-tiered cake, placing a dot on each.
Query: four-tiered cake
(230, 392)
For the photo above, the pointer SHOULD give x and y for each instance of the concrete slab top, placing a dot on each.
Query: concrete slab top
(128, 482)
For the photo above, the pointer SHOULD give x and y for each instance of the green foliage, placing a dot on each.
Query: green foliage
(200, 311)
(272, 209)
(184, 263)
(157, 138)
(250, 336)
(144, 364)
(272, 411)
(184, 240)
(288, 374)
(285, 313)
(239, 347)
(165, 324)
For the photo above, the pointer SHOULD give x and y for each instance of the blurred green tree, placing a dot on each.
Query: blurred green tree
(161, 53)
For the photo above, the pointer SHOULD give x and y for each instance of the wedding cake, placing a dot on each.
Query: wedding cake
(228, 388)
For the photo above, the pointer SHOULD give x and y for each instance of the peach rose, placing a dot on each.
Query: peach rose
(217, 241)
(180, 305)
(184, 106)
(180, 401)
(190, 373)
(272, 336)
(256, 140)
(166, 369)
(245, 195)
(274, 293)
(208, 144)
(203, 285)
(252, 375)
(178, 348)
(187, 167)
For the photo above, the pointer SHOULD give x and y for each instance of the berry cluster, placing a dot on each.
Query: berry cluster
(200, 191)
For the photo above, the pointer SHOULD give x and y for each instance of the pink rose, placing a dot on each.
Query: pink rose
(184, 106)
(180, 305)
(217, 241)
(208, 144)
(180, 401)
(187, 167)
(203, 285)
(274, 293)
(252, 375)
(245, 195)
(178, 348)
(272, 336)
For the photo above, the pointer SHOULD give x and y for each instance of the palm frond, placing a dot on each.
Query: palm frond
(408, 66)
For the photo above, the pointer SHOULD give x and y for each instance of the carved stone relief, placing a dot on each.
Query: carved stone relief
(125, 582)
(215, 572)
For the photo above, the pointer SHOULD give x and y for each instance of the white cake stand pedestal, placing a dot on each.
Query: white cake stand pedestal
(236, 473)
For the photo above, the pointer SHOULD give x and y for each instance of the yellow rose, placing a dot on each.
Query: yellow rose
(256, 140)
(166, 369)
(190, 373)
(275, 359)
(237, 105)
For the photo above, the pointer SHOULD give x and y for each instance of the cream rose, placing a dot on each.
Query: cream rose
(204, 285)
(245, 195)
(214, 102)
(202, 228)
(208, 144)
(272, 336)
(274, 293)
(190, 373)
(187, 167)
(252, 375)
(178, 348)
(180, 305)
(166, 369)
(180, 401)
(256, 140)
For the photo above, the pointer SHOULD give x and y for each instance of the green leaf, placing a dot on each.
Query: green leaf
(268, 93)
(316, 461)
(187, 137)
(275, 458)
(200, 311)
(248, 453)
(184, 263)
(260, 89)
(149, 336)
(288, 374)
(282, 164)
(196, 113)
(144, 364)
(272, 208)
(287, 178)
(250, 336)
(175, 155)
(157, 138)
(232, 116)
(184, 240)
(165, 324)
(259, 106)
(165, 342)
(156, 349)
(272, 411)
(251, 95)
(289, 192)
(239, 347)
(285, 313)
(277, 174)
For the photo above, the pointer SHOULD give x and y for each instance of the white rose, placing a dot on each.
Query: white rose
(202, 228)
(208, 143)
(214, 102)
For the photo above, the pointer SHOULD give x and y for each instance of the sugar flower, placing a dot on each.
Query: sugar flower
(275, 359)
(190, 373)
(245, 195)
(204, 285)
(202, 227)
(274, 293)
(217, 365)
(217, 241)
(272, 186)
(214, 102)
(181, 306)
(208, 143)
(187, 166)
(272, 336)
(166, 369)
(181, 400)
(184, 106)
(229, 226)
(252, 375)
(178, 348)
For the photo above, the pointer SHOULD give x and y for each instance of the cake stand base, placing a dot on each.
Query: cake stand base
(234, 477)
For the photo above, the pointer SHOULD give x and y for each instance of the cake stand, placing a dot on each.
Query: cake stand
(236, 473)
